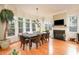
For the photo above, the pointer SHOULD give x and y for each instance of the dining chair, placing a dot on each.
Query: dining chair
(23, 42)
(36, 40)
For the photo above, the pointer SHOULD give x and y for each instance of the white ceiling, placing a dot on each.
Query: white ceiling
(43, 9)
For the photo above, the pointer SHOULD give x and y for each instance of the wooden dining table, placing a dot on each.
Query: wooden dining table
(36, 36)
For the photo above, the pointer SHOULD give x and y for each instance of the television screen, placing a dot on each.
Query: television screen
(59, 22)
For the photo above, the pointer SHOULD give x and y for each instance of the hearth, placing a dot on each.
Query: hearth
(59, 34)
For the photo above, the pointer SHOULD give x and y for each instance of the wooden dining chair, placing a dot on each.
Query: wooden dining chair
(23, 42)
(36, 40)
(42, 38)
(47, 36)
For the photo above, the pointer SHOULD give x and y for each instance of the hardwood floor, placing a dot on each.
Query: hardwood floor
(42, 50)
(65, 47)
(59, 48)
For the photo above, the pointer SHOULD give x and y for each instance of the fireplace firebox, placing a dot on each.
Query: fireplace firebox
(59, 34)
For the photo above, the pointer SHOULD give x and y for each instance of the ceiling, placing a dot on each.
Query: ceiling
(43, 9)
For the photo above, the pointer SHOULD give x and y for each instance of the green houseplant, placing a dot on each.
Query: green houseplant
(6, 15)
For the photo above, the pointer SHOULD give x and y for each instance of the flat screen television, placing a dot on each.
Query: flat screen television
(59, 22)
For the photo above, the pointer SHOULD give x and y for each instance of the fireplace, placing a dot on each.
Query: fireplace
(59, 34)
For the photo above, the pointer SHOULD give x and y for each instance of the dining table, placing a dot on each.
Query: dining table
(35, 36)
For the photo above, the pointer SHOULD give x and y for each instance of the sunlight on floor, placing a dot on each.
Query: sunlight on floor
(50, 46)
(65, 48)
(42, 50)
(72, 50)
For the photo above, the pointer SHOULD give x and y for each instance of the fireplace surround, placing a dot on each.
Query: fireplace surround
(59, 34)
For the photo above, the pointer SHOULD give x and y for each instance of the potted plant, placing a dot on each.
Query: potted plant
(6, 15)
(15, 52)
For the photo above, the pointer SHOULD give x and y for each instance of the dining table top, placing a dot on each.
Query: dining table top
(29, 35)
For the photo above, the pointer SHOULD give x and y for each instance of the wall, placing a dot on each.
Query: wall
(18, 12)
(62, 15)
(1, 26)
(15, 37)
(73, 12)
(59, 16)
(66, 15)
(1, 31)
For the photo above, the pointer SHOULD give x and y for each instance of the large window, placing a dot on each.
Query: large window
(46, 26)
(33, 25)
(73, 23)
(11, 28)
(27, 25)
(20, 24)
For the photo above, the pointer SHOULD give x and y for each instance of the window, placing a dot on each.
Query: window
(11, 28)
(46, 27)
(27, 25)
(73, 23)
(33, 26)
(20, 25)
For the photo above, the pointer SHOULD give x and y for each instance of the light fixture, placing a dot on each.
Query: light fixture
(37, 22)
(37, 18)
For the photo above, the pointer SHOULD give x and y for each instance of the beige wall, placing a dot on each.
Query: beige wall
(73, 12)
(1, 31)
(1, 27)
(59, 16)
(66, 15)
(20, 12)
(25, 13)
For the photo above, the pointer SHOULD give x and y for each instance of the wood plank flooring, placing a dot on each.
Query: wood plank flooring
(65, 47)
(59, 48)
(42, 50)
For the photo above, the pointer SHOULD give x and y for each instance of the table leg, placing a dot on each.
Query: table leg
(45, 40)
(23, 46)
(42, 41)
(30, 44)
(36, 45)
(77, 42)
(39, 42)
(48, 39)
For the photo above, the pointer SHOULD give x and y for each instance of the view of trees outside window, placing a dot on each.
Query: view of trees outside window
(33, 26)
(20, 24)
(11, 28)
(27, 25)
